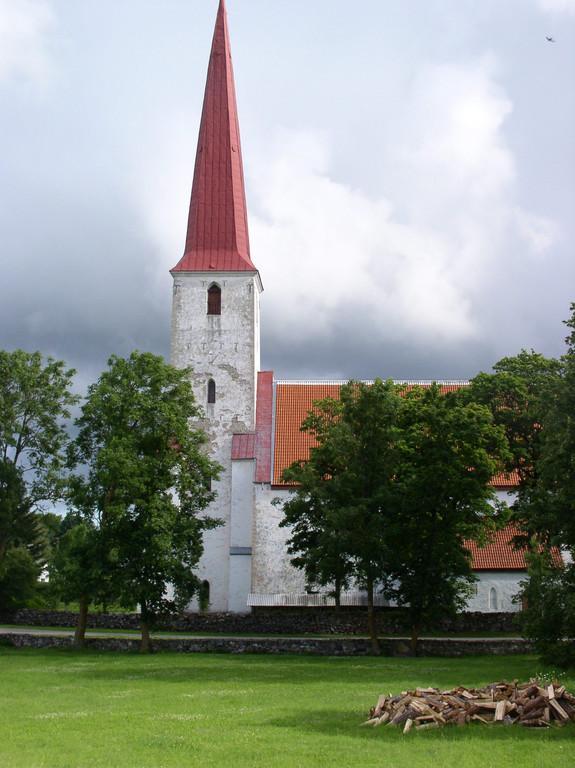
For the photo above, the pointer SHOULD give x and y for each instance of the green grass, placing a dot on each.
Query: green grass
(65, 709)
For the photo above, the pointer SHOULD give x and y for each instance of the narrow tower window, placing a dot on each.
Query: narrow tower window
(214, 300)
(211, 391)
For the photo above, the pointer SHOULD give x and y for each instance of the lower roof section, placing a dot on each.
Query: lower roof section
(500, 554)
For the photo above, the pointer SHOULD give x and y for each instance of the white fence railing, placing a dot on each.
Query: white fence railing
(310, 600)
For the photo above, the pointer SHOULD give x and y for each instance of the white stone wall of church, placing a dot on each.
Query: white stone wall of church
(506, 585)
(224, 348)
(240, 573)
(242, 503)
(272, 571)
(507, 496)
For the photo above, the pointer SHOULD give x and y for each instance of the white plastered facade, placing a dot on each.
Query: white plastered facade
(226, 349)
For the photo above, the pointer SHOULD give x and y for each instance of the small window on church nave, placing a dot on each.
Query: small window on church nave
(214, 300)
(211, 391)
(493, 599)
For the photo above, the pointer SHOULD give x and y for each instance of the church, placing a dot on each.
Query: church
(251, 419)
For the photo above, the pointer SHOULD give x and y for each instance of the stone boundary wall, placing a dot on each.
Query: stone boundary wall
(278, 646)
(275, 621)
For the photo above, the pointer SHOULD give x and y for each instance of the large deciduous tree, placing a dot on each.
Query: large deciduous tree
(396, 482)
(343, 499)
(548, 512)
(533, 398)
(344, 493)
(147, 482)
(449, 451)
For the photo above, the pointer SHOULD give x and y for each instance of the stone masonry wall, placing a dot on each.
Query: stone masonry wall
(313, 646)
(277, 621)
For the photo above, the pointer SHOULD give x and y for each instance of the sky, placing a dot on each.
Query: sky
(410, 172)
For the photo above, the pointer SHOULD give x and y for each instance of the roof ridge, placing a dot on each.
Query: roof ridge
(340, 382)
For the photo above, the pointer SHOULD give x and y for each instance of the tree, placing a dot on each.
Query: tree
(345, 492)
(533, 397)
(147, 482)
(549, 513)
(18, 523)
(549, 616)
(19, 573)
(35, 402)
(21, 540)
(519, 394)
(557, 463)
(449, 451)
(78, 568)
(397, 481)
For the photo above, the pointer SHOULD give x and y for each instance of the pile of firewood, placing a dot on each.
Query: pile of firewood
(533, 705)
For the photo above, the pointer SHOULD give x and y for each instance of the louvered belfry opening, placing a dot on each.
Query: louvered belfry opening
(214, 300)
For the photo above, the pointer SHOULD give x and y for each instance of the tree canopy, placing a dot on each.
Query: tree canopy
(547, 510)
(396, 482)
(146, 483)
(35, 402)
(449, 451)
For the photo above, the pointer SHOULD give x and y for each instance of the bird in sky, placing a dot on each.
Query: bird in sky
(550, 39)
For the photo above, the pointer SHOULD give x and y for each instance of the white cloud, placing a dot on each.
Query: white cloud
(321, 246)
(559, 6)
(24, 26)
(419, 263)
(422, 262)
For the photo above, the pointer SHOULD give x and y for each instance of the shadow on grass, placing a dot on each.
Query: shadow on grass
(382, 674)
(334, 722)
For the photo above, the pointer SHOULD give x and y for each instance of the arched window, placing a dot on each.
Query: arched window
(204, 596)
(211, 391)
(493, 599)
(214, 300)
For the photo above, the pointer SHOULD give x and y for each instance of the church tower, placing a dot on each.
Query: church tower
(215, 311)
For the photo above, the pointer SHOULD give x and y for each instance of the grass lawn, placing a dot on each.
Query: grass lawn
(69, 709)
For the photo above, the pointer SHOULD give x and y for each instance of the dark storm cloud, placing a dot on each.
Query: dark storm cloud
(98, 130)
(76, 284)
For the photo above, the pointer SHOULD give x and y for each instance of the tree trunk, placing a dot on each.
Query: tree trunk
(415, 630)
(375, 648)
(337, 594)
(145, 642)
(80, 633)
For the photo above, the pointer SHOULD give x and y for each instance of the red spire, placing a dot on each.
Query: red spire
(217, 237)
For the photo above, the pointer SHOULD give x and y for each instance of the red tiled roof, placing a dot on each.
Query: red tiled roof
(500, 555)
(217, 236)
(506, 480)
(243, 446)
(294, 400)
